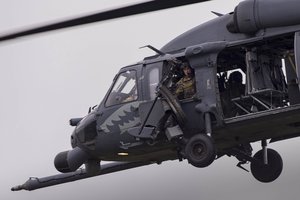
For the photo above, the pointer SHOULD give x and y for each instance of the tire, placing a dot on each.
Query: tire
(271, 171)
(174, 104)
(200, 151)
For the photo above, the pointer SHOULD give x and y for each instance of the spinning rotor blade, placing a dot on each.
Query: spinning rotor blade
(140, 8)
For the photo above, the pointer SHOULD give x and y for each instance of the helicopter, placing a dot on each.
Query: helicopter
(130, 131)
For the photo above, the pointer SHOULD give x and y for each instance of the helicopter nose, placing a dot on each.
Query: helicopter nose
(85, 131)
(74, 141)
(69, 161)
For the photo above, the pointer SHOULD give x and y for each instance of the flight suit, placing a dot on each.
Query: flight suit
(185, 88)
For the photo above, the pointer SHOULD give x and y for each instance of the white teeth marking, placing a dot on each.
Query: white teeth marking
(129, 124)
(121, 112)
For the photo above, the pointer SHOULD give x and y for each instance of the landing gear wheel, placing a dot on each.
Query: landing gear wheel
(200, 151)
(271, 171)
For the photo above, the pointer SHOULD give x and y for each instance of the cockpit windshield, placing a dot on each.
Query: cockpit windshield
(124, 89)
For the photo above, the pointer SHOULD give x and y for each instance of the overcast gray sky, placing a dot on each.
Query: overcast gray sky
(47, 79)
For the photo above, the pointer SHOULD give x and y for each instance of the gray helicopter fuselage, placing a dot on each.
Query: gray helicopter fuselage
(245, 67)
(216, 30)
(103, 133)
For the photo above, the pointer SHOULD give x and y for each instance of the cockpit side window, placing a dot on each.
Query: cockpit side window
(151, 78)
(124, 89)
(153, 82)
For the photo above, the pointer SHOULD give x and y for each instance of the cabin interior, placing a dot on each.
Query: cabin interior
(258, 76)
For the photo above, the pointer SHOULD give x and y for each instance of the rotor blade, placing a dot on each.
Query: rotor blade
(140, 8)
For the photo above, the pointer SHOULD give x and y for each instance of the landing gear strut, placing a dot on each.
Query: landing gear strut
(266, 165)
(200, 150)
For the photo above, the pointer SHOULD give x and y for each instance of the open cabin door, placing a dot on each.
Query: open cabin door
(297, 58)
(292, 64)
(203, 59)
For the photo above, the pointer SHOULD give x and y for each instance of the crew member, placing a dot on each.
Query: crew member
(185, 87)
(235, 88)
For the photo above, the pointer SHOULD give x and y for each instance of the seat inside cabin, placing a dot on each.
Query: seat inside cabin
(257, 78)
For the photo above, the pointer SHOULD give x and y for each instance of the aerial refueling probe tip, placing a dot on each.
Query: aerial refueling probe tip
(17, 188)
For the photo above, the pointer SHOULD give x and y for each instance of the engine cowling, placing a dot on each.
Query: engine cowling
(253, 15)
(69, 161)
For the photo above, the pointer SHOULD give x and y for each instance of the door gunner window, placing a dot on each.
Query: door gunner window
(124, 89)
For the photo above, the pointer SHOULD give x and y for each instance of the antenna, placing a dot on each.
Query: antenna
(218, 14)
(154, 49)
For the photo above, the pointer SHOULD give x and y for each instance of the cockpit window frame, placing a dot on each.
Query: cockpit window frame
(115, 81)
